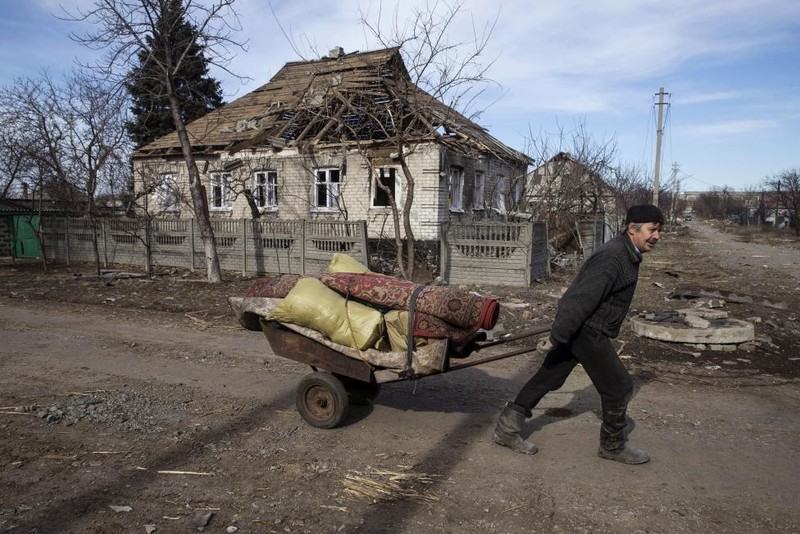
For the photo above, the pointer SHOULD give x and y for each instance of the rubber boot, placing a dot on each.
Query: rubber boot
(509, 425)
(613, 443)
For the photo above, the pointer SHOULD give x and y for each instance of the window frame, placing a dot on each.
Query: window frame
(332, 193)
(169, 199)
(455, 187)
(500, 192)
(518, 193)
(375, 189)
(478, 190)
(265, 194)
(222, 180)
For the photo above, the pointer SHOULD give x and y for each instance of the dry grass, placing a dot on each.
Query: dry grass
(383, 485)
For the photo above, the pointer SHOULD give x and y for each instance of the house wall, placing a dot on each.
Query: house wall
(429, 164)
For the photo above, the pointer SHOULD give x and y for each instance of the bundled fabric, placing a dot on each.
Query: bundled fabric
(440, 312)
(429, 357)
(461, 309)
(342, 263)
(274, 288)
(312, 305)
(397, 331)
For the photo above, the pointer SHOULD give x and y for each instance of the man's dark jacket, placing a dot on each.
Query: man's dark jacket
(601, 294)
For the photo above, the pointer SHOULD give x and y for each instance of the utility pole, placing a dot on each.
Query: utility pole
(659, 133)
(675, 190)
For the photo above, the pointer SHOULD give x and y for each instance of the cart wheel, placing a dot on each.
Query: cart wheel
(321, 400)
(360, 392)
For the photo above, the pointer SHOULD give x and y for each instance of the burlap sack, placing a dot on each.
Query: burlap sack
(342, 263)
(397, 331)
(313, 305)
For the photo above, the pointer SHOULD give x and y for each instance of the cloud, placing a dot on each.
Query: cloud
(713, 96)
(731, 128)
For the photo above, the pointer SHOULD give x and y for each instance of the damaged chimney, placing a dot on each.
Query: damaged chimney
(336, 52)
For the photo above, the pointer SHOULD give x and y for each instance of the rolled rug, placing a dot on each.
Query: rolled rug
(459, 308)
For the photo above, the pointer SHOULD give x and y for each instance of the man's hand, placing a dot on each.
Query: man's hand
(545, 345)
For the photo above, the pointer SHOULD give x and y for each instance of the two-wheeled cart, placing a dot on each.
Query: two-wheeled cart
(337, 380)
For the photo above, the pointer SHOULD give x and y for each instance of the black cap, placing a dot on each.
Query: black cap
(644, 213)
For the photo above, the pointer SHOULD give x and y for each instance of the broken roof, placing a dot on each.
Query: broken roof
(362, 97)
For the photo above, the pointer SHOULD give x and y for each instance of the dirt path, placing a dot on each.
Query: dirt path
(731, 253)
(156, 396)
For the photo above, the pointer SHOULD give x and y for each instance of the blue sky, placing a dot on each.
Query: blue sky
(731, 67)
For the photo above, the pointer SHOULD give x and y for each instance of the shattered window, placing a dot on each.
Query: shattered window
(500, 192)
(385, 176)
(456, 189)
(478, 188)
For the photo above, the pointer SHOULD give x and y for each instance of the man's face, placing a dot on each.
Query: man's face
(646, 237)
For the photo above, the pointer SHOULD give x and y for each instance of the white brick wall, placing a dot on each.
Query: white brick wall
(428, 163)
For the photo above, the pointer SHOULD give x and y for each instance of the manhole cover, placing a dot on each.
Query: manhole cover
(720, 332)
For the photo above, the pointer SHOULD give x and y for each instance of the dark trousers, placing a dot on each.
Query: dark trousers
(594, 351)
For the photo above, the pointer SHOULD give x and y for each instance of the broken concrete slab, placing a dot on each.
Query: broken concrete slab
(692, 291)
(695, 321)
(705, 313)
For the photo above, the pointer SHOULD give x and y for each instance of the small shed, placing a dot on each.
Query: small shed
(19, 222)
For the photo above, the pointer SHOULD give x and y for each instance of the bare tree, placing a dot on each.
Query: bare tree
(96, 144)
(631, 184)
(70, 136)
(720, 203)
(15, 162)
(577, 177)
(93, 115)
(453, 72)
(32, 121)
(786, 187)
(128, 29)
(435, 86)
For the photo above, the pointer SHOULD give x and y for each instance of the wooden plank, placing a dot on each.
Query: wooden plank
(294, 346)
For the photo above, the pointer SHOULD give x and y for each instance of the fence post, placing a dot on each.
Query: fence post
(105, 244)
(244, 247)
(363, 229)
(303, 246)
(444, 253)
(529, 257)
(148, 243)
(66, 238)
(191, 241)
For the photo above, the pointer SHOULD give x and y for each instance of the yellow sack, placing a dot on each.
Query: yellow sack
(342, 263)
(397, 330)
(314, 305)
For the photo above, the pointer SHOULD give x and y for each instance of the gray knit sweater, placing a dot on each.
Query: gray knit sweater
(601, 294)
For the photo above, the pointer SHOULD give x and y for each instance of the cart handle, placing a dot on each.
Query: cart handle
(532, 332)
(535, 331)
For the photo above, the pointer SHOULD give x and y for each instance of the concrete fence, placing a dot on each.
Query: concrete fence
(246, 245)
(495, 253)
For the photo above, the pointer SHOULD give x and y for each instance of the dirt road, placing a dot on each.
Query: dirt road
(731, 253)
(123, 420)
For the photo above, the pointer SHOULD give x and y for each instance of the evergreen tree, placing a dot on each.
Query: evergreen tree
(197, 92)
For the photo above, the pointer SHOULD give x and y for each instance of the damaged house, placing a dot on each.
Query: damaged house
(574, 199)
(338, 138)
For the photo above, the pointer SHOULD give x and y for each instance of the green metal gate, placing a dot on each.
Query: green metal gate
(23, 236)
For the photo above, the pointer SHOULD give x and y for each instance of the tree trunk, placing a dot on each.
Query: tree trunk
(407, 205)
(197, 191)
(95, 247)
(251, 202)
